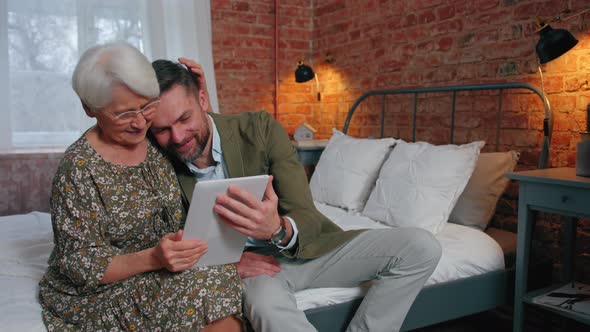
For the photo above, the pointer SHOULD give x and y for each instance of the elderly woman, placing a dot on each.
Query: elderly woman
(119, 261)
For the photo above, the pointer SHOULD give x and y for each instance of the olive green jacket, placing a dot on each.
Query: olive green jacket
(253, 143)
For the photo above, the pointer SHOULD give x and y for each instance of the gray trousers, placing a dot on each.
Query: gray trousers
(399, 260)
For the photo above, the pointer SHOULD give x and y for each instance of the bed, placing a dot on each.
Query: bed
(26, 241)
(474, 262)
(491, 284)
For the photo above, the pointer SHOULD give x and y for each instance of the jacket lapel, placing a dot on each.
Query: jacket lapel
(187, 185)
(230, 146)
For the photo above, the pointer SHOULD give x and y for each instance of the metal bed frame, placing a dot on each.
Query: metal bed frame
(500, 87)
(449, 300)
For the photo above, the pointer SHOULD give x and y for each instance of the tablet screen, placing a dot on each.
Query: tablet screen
(225, 243)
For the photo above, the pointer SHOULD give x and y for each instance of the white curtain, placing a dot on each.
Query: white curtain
(40, 42)
(180, 28)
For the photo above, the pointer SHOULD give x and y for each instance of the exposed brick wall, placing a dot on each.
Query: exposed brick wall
(380, 44)
(392, 44)
(243, 49)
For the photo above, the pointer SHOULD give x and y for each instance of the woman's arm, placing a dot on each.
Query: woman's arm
(125, 266)
(171, 253)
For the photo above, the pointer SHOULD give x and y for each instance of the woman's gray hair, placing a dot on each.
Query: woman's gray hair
(100, 66)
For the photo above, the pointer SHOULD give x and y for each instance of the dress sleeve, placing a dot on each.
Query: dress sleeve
(77, 214)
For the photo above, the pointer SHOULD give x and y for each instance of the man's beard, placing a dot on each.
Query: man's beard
(201, 141)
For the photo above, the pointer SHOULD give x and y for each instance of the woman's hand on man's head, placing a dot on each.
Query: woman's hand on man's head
(197, 69)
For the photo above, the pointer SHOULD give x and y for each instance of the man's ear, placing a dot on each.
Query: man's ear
(88, 111)
(203, 101)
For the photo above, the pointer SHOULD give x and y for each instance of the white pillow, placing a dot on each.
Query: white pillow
(420, 183)
(347, 170)
(477, 203)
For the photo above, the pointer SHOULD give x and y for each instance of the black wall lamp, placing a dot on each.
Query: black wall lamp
(305, 73)
(552, 44)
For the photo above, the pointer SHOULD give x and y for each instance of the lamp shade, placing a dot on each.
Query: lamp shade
(553, 43)
(303, 73)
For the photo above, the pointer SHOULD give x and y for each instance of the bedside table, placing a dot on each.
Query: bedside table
(309, 152)
(553, 190)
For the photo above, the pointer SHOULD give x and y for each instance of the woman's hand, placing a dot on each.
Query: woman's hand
(198, 70)
(175, 254)
(171, 253)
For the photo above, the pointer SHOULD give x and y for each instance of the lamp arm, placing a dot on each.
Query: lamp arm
(559, 18)
(317, 84)
(540, 22)
(547, 123)
(547, 133)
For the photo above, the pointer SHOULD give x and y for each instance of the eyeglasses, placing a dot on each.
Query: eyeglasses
(147, 111)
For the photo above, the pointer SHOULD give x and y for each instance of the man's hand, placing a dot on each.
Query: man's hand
(253, 265)
(176, 254)
(249, 215)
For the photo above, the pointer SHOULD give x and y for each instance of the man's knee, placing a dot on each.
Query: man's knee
(263, 293)
(417, 245)
(424, 245)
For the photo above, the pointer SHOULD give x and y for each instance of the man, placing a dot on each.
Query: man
(292, 246)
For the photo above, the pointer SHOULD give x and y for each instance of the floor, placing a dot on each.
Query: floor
(493, 321)
(501, 321)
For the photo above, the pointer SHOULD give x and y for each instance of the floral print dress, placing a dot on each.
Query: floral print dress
(100, 210)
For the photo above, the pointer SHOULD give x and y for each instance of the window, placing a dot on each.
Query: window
(41, 41)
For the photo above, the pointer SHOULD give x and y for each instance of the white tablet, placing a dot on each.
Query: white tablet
(202, 223)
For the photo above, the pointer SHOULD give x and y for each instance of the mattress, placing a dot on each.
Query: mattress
(466, 252)
(25, 244)
(27, 240)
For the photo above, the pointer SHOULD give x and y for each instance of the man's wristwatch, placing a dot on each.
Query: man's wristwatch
(279, 236)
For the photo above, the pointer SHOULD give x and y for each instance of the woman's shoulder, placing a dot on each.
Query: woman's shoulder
(77, 155)
(157, 156)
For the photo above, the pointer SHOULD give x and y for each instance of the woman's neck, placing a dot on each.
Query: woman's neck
(111, 151)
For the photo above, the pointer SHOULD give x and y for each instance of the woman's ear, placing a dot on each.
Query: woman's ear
(88, 111)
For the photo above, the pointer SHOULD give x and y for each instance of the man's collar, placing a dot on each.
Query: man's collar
(216, 144)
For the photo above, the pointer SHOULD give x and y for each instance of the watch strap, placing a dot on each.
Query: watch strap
(279, 236)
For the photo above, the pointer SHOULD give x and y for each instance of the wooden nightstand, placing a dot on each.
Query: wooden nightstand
(309, 152)
(553, 190)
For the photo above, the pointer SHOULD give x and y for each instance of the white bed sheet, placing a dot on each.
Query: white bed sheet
(27, 240)
(466, 252)
(25, 244)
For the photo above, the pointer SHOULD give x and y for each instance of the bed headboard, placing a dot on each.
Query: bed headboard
(497, 88)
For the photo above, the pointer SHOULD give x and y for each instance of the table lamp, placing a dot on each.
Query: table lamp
(552, 44)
